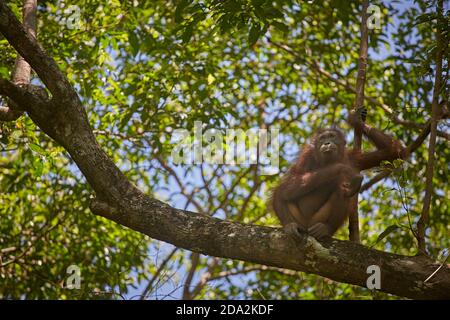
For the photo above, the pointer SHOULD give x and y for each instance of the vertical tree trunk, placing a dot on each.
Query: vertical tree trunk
(425, 214)
(353, 220)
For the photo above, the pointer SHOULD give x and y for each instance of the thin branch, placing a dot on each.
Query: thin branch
(410, 149)
(155, 277)
(226, 198)
(225, 274)
(439, 268)
(206, 185)
(377, 178)
(424, 216)
(180, 184)
(190, 276)
(27, 249)
(314, 65)
(240, 214)
(209, 276)
(205, 277)
(353, 219)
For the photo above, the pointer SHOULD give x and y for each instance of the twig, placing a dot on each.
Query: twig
(439, 268)
(161, 267)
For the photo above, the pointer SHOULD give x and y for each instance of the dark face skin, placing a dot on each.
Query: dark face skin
(329, 144)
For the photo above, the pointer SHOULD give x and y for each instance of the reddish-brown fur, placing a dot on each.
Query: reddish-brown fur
(315, 193)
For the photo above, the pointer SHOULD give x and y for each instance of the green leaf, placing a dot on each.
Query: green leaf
(134, 43)
(211, 79)
(385, 233)
(187, 34)
(254, 34)
(38, 149)
(38, 166)
(179, 10)
(280, 26)
(125, 119)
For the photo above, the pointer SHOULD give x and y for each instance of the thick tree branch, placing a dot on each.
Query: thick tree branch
(22, 70)
(65, 120)
(26, 45)
(24, 97)
(338, 260)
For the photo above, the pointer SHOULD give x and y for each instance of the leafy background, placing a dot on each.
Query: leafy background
(146, 68)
